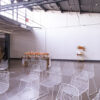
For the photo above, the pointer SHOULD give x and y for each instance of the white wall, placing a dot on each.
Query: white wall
(60, 36)
(26, 41)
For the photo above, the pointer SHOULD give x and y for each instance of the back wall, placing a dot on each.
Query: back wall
(60, 35)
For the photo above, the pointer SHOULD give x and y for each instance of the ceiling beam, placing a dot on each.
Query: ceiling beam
(27, 4)
(43, 7)
(30, 8)
(5, 31)
(59, 6)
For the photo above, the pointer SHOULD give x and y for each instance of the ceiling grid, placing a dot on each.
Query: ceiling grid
(82, 6)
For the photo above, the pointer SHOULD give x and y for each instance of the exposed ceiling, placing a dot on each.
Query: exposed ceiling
(8, 26)
(81, 6)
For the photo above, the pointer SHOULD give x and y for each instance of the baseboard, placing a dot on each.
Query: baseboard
(15, 58)
(74, 60)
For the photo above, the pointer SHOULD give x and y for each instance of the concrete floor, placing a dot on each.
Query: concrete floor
(17, 70)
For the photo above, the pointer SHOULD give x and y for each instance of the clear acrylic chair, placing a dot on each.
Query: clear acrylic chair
(90, 69)
(4, 65)
(4, 81)
(26, 62)
(97, 97)
(34, 64)
(39, 66)
(81, 81)
(68, 70)
(79, 66)
(29, 86)
(67, 92)
(55, 68)
(51, 81)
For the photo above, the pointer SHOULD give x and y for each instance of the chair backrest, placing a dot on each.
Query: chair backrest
(68, 69)
(4, 81)
(67, 92)
(55, 77)
(55, 68)
(4, 65)
(35, 60)
(81, 81)
(90, 68)
(55, 72)
(39, 62)
(31, 76)
(79, 66)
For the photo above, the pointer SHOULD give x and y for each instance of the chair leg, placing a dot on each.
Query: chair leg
(42, 76)
(80, 98)
(6, 95)
(95, 86)
(43, 95)
(19, 85)
(94, 82)
(52, 93)
(88, 94)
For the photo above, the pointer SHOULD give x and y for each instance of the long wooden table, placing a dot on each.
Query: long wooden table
(27, 59)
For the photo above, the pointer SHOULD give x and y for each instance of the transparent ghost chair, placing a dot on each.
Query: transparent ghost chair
(97, 97)
(90, 69)
(67, 92)
(39, 66)
(51, 81)
(26, 62)
(68, 70)
(4, 65)
(55, 68)
(79, 66)
(33, 64)
(29, 86)
(81, 81)
(4, 81)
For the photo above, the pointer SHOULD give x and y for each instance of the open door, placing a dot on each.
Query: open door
(4, 46)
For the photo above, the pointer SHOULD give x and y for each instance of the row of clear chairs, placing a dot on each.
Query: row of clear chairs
(50, 83)
(70, 91)
(79, 82)
(32, 79)
(4, 77)
(4, 81)
(78, 85)
(79, 79)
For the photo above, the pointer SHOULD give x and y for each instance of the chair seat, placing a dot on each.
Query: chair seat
(70, 91)
(81, 88)
(26, 94)
(38, 70)
(29, 78)
(49, 83)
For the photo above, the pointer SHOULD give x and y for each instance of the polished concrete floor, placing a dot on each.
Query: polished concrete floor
(17, 71)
